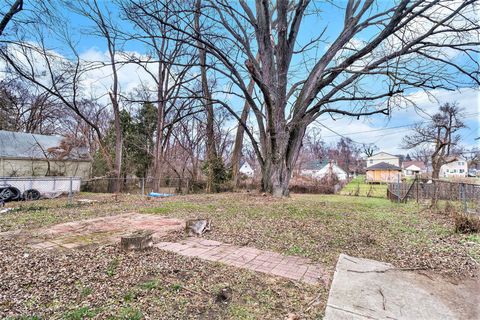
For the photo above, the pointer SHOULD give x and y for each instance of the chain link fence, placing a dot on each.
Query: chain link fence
(134, 185)
(34, 188)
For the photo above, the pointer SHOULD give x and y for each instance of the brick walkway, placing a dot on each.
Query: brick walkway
(292, 267)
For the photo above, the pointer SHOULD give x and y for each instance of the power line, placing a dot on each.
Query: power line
(382, 129)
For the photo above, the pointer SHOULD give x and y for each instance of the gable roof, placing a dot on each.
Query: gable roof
(315, 165)
(383, 166)
(245, 163)
(418, 164)
(335, 167)
(20, 145)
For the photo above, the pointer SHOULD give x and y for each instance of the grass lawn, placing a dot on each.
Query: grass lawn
(106, 283)
(364, 189)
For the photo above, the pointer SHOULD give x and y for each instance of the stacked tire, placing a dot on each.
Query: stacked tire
(9, 193)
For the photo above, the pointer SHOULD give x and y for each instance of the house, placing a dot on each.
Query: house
(26, 154)
(247, 170)
(456, 167)
(318, 169)
(412, 168)
(383, 157)
(383, 172)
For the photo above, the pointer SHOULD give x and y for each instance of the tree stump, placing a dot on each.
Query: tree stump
(139, 240)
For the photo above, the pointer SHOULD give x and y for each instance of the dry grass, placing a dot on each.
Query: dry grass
(103, 282)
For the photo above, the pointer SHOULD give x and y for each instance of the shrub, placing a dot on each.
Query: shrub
(465, 222)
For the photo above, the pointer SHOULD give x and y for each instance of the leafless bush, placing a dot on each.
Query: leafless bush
(466, 222)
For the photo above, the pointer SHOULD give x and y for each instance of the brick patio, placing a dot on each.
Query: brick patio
(103, 230)
(291, 267)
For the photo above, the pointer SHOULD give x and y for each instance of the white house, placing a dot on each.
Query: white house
(412, 168)
(383, 157)
(318, 169)
(457, 168)
(246, 170)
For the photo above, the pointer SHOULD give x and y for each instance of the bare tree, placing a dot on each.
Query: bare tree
(50, 73)
(441, 133)
(15, 8)
(168, 63)
(207, 102)
(238, 146)
(106, 29)
(398, 56)
(369, 149)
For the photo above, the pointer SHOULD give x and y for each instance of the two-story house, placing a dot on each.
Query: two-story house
(383, 157)
(383, 167)
(456, 167)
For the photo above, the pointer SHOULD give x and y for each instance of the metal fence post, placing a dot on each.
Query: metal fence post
(70, 191)
(143, 186)
(398, 186)
(416, 181)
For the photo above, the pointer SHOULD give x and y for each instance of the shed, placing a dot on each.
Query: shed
(383, 172)
(26, 154)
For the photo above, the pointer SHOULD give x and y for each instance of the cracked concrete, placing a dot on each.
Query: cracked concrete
(368, 289)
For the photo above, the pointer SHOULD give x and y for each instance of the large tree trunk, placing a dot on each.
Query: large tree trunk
(207, 101)
(277, 169)
(238, 146)
(435, 172)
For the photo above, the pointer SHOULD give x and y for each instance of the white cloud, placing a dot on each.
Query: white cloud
(96, 79)
(366, 130)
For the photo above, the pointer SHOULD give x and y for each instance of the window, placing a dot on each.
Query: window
(371, 161)
(447, 170)
(454, 171)
(461, 171)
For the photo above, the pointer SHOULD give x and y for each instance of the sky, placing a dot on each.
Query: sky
(386, 132)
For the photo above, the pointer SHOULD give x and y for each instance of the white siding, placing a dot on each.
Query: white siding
(383, 157)
(247, 170)
(458, 168)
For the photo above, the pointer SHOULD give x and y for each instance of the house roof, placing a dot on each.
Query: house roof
(20, 145)
(315, 165)
(383, 166)
(418, 164)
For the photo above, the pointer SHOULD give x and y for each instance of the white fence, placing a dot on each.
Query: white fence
(45, 185)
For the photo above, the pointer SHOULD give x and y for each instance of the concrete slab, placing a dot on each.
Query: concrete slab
(368, 289)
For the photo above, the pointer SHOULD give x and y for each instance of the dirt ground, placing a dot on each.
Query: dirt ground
(100, 281)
